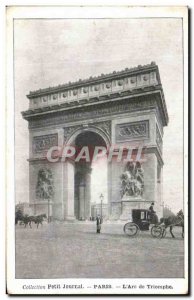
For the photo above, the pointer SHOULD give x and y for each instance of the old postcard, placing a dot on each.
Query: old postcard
(97, 150)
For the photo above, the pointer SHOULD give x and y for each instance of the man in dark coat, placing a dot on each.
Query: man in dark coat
(151, 208)
(153, 216)
(98, 223)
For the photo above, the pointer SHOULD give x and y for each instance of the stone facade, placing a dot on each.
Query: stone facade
(122, 108)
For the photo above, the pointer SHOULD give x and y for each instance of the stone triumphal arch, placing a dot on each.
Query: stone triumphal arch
(126, 109)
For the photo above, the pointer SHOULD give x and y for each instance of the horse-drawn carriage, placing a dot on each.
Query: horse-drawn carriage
(28, 220)
(141, 221)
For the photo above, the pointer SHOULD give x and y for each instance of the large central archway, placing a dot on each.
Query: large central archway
(90, 176)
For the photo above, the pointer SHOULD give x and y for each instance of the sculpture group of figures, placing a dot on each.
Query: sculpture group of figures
(132, 180)
(45, 184)
(25, 220)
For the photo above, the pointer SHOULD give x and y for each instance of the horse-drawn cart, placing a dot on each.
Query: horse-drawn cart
(141, 221)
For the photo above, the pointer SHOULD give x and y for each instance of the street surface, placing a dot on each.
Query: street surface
(74, 250)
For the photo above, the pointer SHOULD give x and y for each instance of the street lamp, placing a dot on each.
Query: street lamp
(162, 208)
(101, 201)
(48, 210)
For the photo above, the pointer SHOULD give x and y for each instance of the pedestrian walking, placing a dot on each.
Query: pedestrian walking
(98, 223)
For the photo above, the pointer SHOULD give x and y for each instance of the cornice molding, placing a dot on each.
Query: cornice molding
(107, 99)
(94, 112)
(96, 79)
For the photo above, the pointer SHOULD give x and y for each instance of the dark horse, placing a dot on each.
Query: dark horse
(172, 221)
(35, 219)
(21, 219)
(38, 219)
(18, 216)
(27, 220)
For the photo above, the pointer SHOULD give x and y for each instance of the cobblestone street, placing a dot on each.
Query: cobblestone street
(74, 250)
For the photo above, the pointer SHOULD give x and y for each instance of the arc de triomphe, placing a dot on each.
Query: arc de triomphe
(121, 108)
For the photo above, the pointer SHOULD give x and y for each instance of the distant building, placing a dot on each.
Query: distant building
(24, 207)
(97, 209)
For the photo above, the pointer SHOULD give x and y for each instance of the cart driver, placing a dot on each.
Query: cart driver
(151, 208)
(153, 216)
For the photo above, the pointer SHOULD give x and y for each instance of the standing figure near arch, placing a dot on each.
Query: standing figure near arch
(98, 223)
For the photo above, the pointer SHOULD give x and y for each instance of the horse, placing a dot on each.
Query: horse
(27, 220)
(35, 219)
(18, 216)
(23, 219)
(39, 219)
(172, 221)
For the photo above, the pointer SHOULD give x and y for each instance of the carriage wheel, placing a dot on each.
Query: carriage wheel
(131, 229)
(157, 231)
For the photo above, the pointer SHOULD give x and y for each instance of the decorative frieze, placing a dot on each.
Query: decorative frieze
(88, 113)
(44, 142)
(132, 131)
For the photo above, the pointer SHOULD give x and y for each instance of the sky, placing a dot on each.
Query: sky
(52, 52)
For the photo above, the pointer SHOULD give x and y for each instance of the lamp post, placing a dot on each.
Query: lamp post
(101, 201)
(48, 210)
(162, 208)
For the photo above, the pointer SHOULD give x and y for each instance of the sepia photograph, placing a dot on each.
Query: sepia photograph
(98, 106)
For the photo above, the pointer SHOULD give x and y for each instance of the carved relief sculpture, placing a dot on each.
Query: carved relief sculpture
(132, 130)
(105, 127)
(45, 184)
(44, 142)
(91, 113)
(132, 180)
(68, 131)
